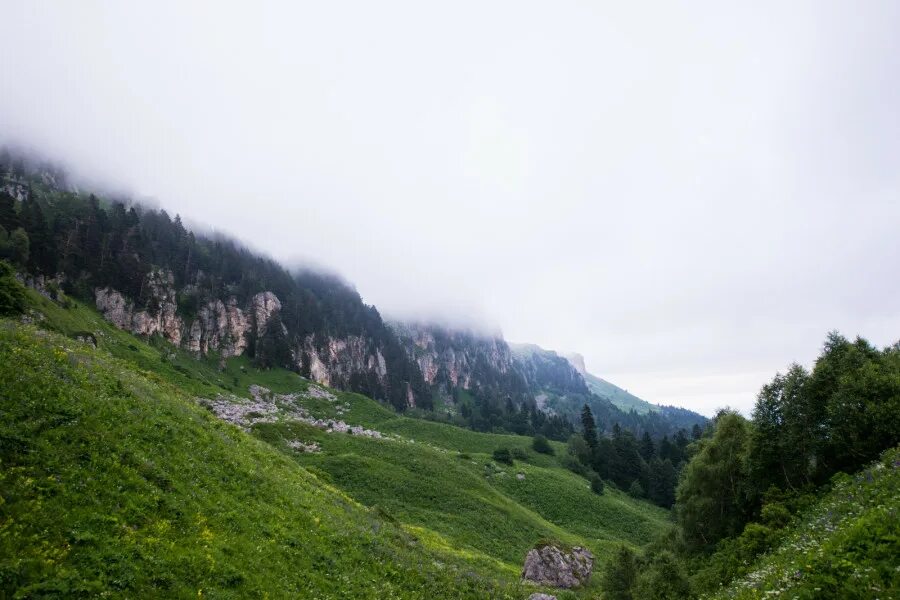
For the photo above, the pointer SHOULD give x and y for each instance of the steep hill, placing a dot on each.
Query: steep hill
(158, 496)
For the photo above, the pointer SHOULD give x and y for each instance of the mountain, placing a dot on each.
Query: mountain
(610, 391)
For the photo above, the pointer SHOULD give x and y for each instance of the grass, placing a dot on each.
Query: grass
(119, 484)
(116, 481)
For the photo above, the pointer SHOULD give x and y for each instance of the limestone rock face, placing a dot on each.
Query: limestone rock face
(551, 565)
(262, 307)
(220, 326)
(334, 361)
(159, 316)
(453, 354)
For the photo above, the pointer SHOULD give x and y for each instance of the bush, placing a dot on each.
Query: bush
(542, 445)
(503, 455)
(573, 464)
(519, 454)
(596, 484)
(636, 490)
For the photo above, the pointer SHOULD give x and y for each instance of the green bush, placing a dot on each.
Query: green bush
(542, 445)
(503, 455)
(636, 490)
(596, 484)
(519, 454)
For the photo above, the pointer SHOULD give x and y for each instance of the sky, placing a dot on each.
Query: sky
(691, 195)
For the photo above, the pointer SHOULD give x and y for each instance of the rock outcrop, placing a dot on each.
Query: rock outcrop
(159, 316)
(221, 326)
(458, 359)
(334, 361)
(550, 564)
(540, 596)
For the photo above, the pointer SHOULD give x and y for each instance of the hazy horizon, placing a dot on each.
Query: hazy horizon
(691, 198)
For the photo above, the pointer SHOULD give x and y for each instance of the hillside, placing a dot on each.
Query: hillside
(619, 397)
(845, 546)
(420, 494)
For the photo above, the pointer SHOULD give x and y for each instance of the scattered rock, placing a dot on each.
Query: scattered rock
(268, 407)
(312, 447)
(540, 596)
(549, 564)
(520, 476)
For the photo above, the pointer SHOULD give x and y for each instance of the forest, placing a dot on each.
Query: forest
(743, 481)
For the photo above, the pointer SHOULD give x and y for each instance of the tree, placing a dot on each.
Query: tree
(661, 484)
(9, 218)
(20, 247)
(619, 575)
(12, 293)
(597, 484)
(647, 449)
(712, 496)
(589, 427)
(662, 579)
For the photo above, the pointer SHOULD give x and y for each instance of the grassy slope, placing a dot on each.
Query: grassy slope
(847, 546)
(466, 509)
(619, 397)
(119, 483)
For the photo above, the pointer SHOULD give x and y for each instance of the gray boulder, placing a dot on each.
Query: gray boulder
(549, 564)
(539, 596)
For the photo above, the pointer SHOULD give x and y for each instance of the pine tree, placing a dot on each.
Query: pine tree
(647, 450)
(589, 427)
(619, 575)
(9, 218)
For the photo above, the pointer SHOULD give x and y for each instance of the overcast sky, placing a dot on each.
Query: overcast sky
(690, 196)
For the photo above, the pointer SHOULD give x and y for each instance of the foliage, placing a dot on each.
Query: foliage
(540, 444)
(503, 455)
(662, 579)
(12, 294)
(596, 484)
(712, 494)
(619, 575)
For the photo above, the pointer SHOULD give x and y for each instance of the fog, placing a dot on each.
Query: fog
(689, 196)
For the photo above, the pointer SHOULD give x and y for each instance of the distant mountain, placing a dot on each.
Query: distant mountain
(619, 397)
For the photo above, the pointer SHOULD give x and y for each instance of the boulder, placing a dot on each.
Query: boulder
(553, 565)
(540, 596)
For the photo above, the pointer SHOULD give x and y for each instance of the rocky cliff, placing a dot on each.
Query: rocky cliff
(545, 370)
(230, 328)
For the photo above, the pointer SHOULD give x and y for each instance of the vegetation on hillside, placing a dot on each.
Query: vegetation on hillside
(778, 483)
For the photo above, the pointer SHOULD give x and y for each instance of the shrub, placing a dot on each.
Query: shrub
(519, 454)
(573, 464)
(596, 484)
(542, 445)
(503, 455)
(636, 490)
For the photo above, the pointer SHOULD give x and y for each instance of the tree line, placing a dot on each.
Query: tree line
(745, 478)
